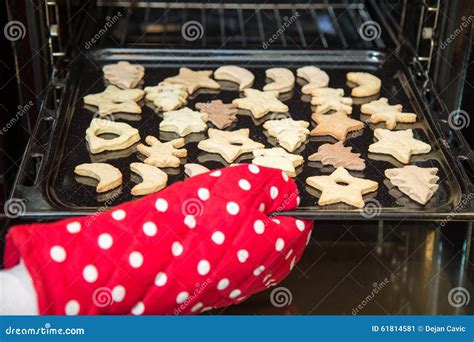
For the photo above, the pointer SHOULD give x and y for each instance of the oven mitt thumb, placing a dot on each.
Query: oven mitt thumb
(204, 243)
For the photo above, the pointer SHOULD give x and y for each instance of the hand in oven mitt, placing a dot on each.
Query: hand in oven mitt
(205, 243)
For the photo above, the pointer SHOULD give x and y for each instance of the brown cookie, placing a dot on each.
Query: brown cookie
(338, 155)
(336, 125)
(220, 114)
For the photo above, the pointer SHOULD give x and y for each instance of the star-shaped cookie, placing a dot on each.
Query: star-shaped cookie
(193, 80)
(338, 155)
(230, 145)
(336, 125)
(278, 158)
(290, 134)
(184, 121)
(162, 154)
(350, 191)
(381, 111)
(418, 183)
(260, 103)
(220, 114)
(115, 100)
(399, 144)
(327, 99)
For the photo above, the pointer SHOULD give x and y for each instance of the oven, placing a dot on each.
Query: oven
(416, 257)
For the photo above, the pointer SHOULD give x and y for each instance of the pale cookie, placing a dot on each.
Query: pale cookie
(162, 154)
(167, 96)
(260, 103)
(334, 192)
(153, 179)
(418, 183)
(193, 80)
(337, 125)
(235, 74)
(381, 111)
(230, 145)
(290, 134)
(327, 99)
(183, 122)
(109, 177)
(399, 144)
(115, 100)
(316, 78)
(220, 114)
(123, 74)
(278, 158)
(126, 136)
(368, 84)
(192, 169)
(338, 156)
(283, 80)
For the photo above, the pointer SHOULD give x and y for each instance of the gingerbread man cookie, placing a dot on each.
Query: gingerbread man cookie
(327, 99)
(381, 111)
(161, 154)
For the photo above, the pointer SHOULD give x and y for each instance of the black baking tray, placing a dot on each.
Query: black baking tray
(49, 187)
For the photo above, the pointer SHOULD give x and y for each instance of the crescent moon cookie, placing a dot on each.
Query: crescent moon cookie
(260, 103)
(167, 96)
(381, 111)
(184, 121)
(337, 125)
(153, 179)
(283, 80)
(278, 158)
(162, 154)
(235, 74)
(109, 177)
(338, 155)
(126, 136)
(290, 134)
(367, 84)
(123, 74)
(194, 80)
(399, 144)
(220, 114)
(332, 191)
(327, 99)
(316, 78)
(115, 100)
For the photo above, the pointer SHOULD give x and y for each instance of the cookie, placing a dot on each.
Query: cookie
(153, 179)
(336, 125)
(399, 144)
(367, 84)
(220, 114)
(327, 99)
(115, 100)
(167, 96)
(161, 154)
(192, 169)
(123, 74)
(260, 103)
(316, 78)
(235, 74)
(278, 158)
(230, 145)
(283, 80)
(109, 177)
(290, 134)
(193, 80)
(349, 192)
(126, 136)
(338, 156)
(381, 111)
(418, 183)
(184, 121)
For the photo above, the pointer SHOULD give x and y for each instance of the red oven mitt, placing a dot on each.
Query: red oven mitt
(204, 243)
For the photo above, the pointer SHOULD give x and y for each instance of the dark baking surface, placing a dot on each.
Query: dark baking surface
(69, 148)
